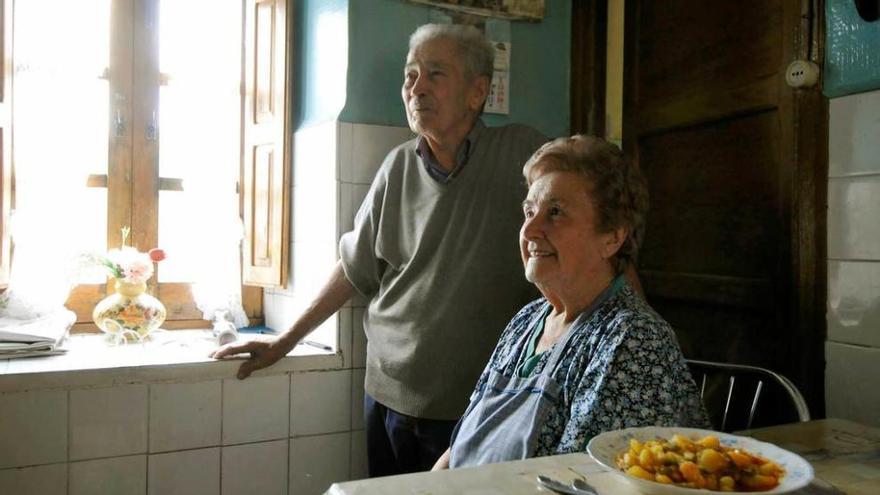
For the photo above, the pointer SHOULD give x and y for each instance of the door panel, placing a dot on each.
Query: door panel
(711, 194)
(733, 255)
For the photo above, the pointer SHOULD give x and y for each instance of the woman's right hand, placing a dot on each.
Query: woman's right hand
(443, 461)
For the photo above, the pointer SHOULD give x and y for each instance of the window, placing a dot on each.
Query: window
(165, 116)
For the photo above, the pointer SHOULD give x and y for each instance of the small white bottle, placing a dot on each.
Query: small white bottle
(224, 330)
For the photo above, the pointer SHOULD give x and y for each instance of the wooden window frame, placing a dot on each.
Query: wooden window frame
(132, 178)
(6, 180)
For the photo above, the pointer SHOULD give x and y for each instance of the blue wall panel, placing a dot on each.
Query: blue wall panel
(540, 67)
(852, 59)
(321, 60)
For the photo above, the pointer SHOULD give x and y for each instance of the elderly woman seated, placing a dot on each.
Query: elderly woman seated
(591, 355)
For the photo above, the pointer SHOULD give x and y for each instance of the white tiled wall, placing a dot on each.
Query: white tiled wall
(108, 422)
(320, 402)
(185, 472)
(184, 416)
(277, 434)
(853, 348)
(318, 461)
(33, 429)
(256, 409)
(42, 480)
(117, 475)
(255, 468)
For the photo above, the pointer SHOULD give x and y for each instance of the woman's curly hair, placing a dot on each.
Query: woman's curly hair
(619, 191)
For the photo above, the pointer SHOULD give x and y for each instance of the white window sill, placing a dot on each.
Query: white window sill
(180, 355)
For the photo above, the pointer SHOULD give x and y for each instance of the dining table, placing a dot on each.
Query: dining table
(845, 456)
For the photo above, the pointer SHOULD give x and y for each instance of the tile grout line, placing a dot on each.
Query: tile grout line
(163, 452)
(222, 423)
(854, 175)
(289, 467)
(853, 260)
(69, 441)
(147, 447)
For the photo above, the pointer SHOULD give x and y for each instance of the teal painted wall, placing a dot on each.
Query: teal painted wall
(540, 66)
(852, 57)
(321, 60)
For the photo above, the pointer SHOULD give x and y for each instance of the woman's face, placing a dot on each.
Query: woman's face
(559, 242)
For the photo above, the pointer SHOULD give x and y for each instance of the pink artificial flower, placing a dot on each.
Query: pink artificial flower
(157, 254)
(139, 270)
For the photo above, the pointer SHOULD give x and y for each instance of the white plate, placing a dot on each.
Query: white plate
(605, 447)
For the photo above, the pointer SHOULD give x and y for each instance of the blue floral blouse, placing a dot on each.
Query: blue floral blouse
(622, 368)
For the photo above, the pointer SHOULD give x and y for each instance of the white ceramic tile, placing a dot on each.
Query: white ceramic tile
(38, 480)
(281, 314)
(344, 213)
(255, 409)
(371, 144)
(255, 468)
(359, 469)
(359, 338)
(108, 422)
(853, 229)
(357, 398)
(344, 151)
(184, 416)
(314, 152)
(851, 390)
(853, 147)
(854, 302)
(320, 402)
(344, 340)
(185, 473)
(317, 462)
(33, 428)
(313, 211)
(268, 305)
(327, 334)
(116, 475)
(289, 308)
(313, 262)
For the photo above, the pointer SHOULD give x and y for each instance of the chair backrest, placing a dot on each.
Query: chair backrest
(739, 397)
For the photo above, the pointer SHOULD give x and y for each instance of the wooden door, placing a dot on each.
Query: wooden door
(736, 163)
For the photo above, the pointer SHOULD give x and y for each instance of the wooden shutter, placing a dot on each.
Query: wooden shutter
(5, 137)
(265, 157)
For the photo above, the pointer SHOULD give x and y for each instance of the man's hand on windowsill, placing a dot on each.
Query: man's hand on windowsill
(263, 352)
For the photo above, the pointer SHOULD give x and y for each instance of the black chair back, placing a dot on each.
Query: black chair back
(740, 397)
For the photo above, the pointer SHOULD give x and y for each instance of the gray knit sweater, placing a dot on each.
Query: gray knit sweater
(440, 264)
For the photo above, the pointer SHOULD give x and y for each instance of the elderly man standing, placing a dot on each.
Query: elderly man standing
(434, 249)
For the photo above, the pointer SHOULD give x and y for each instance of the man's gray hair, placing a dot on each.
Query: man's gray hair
(476, 51)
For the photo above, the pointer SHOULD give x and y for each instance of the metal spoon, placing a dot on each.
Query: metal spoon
(557, 486)
(583, 486)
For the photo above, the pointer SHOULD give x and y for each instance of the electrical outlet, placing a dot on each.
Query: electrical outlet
(802, 74)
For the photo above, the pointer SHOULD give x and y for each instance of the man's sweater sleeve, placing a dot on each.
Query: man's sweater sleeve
(357, 248)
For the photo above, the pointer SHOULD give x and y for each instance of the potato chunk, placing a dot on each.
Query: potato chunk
(711, 460)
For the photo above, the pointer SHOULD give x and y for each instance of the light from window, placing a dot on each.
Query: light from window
(61, 128)
(199, 122)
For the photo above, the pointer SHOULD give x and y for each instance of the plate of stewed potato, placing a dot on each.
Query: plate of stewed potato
(672, 460)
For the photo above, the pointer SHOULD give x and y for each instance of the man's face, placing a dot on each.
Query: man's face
(441, 103)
